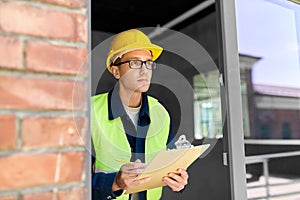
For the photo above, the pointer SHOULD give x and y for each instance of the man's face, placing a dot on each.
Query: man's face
(134, 80)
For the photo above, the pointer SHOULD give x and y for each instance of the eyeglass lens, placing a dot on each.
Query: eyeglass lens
(136, 64)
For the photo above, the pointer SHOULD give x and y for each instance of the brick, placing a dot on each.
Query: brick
(38, 196)
(53, 131)
(27, 170)
(45, 57)
(11, 52)
(72, 194)
(71, 167)
(67, 3)
(41, 94)
(10, 197)
(8, 134)
(19, 17)
(82, 28)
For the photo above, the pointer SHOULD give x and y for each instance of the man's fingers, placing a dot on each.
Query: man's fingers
(138, 161)
(183, 173)
(142, 180)
(128, 175)
(173, 184)
(177, 180)
(136, 167)
(180, 176)
(126, 182)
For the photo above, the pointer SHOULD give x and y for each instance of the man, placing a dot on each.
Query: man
(127, 124)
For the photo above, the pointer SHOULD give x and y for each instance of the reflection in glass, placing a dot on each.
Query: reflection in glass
(270, 70)
(269, 38)
(207, 106)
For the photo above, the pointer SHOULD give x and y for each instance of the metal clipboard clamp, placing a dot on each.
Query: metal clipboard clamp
(182, 143)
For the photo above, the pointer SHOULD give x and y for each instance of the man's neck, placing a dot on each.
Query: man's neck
(130, 98)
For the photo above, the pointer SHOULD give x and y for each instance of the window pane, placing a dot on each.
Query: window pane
(207, 106)
(269, 42)
(270, 71)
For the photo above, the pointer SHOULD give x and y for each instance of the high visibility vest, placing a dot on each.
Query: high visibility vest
(111, 144)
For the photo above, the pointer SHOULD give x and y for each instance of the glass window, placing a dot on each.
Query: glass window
(269, 52)
(269, 41)
(286, 130)
(207, 106)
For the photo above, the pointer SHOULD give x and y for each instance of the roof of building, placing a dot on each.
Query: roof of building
(277, 90)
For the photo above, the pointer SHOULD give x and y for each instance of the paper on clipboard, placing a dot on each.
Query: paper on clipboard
(165, 162)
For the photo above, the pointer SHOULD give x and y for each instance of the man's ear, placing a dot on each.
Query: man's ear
(115, 71)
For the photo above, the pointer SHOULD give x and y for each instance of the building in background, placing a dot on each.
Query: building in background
(277, 114)
(269, 112)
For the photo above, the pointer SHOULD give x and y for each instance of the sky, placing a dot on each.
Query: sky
(267, 29)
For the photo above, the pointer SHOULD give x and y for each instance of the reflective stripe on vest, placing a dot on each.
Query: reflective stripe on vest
(110, 141)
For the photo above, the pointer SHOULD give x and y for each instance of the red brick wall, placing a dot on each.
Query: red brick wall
(43, 99)
(275, 120)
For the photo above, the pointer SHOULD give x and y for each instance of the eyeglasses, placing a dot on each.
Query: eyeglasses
(137, 64)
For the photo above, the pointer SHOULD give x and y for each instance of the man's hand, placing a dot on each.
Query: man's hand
(177, 181)
(127, 176)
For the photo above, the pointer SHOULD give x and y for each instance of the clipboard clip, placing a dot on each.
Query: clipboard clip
(182, 143)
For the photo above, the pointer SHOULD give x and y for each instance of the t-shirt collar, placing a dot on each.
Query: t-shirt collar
(116, 108)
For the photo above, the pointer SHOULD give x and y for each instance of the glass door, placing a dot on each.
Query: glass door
(197, 80)
(269, 38)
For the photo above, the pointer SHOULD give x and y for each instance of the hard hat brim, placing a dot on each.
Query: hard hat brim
(155, 50)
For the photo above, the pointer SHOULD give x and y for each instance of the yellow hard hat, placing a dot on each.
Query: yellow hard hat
(130, 40)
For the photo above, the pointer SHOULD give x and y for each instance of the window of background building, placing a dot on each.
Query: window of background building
(286, 130)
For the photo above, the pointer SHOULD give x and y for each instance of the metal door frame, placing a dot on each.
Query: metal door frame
(234, 153)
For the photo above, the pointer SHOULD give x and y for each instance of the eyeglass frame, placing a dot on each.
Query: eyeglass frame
(143, 63)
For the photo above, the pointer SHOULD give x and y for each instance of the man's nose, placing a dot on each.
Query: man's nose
(144, 69)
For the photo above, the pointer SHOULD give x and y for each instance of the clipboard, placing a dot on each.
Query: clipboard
(165, 162)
